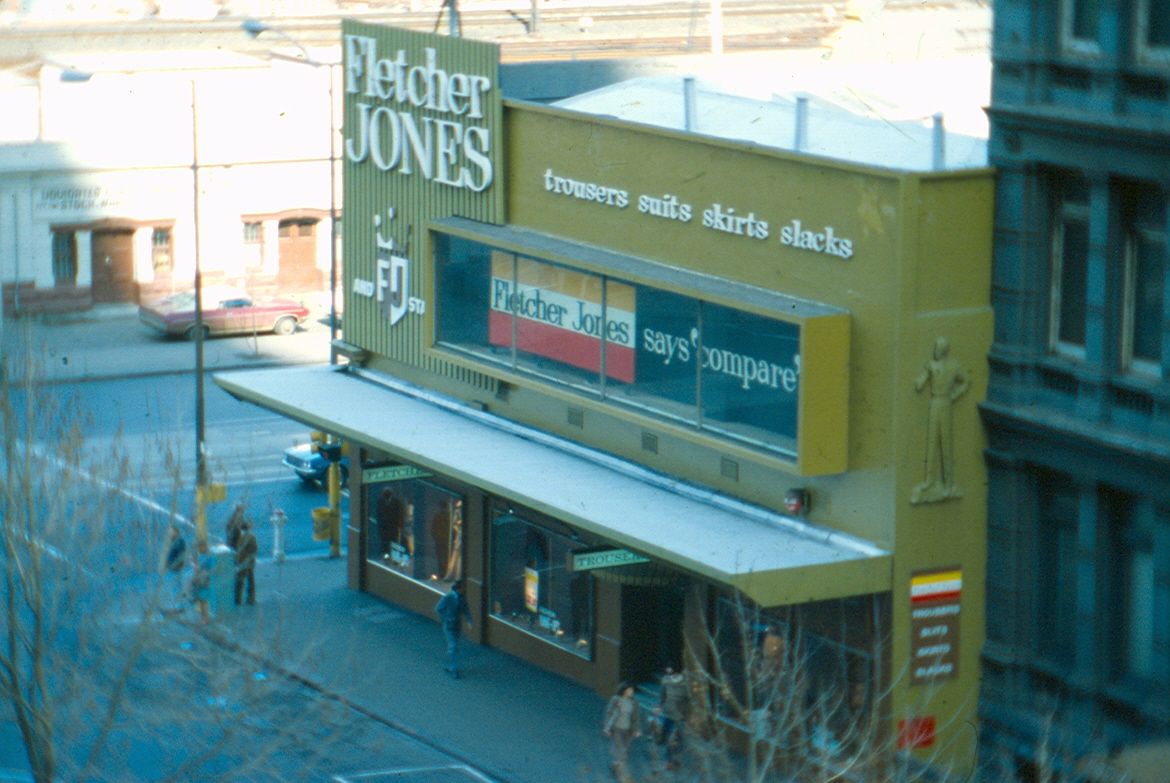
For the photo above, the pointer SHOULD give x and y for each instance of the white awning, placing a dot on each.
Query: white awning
(775, 560)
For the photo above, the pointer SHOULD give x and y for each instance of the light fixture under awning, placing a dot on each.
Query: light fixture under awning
(772, 559)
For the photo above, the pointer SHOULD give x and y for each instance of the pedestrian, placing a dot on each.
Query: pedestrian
(246, 563)
(673, 704)
(623, 724)
(201, 567)
(452, 609)
(232, 533)
(176, 561)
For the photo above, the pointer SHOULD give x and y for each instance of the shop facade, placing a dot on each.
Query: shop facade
(629, 383)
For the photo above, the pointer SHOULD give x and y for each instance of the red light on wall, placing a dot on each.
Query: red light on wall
(914, 733)
(796, 502)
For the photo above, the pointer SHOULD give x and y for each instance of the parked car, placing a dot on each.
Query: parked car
(310, 466)
(225, 311)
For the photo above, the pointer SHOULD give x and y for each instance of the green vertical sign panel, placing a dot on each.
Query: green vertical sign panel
(423, 140)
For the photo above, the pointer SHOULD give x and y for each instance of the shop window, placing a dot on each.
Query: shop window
(64, 258)
(415, 527)
(160, 248)
(1070, 268)
(722, 369)
(532, 587)
(1143, 211)
(1056, 549)
(803, 691)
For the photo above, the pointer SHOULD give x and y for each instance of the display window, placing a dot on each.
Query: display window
(675, 356)
(785, 680)
(532, 587)
(414, 528)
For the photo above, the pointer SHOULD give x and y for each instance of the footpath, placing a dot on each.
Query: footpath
(513, 721)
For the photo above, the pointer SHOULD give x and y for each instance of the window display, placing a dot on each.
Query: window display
(532, 588)
(715, 367)
(415, 527)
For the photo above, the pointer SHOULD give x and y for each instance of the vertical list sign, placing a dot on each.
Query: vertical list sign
(934, 624)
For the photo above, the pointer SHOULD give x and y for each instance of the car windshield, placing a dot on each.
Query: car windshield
(182, 300)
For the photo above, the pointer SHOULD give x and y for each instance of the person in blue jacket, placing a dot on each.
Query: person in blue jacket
(452, 609)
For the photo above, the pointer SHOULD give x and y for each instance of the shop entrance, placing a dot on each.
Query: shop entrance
(112, 260)
(652, 631)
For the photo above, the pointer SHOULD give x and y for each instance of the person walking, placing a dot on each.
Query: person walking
(176, 561)
(452, 609)
(246, 563)
(673, 701)
(201, 567)
(623, 724)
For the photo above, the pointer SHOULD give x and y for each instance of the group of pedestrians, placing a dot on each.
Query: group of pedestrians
(623, 723)
(178, 560)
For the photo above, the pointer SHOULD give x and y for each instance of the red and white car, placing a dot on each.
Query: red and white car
(225, 311)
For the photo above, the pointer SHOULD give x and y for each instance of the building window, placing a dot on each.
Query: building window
(1132, 599)
(786, 679)
(674, 356)
(1153, 32)
(64, 258)
(253, 232)
(1056, 568)
(160, 248)
(1080, 24)
(532, 587)
(1143, 214)
(1070, 267)
(415, 527)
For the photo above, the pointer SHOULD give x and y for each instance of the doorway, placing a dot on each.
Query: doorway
(298, 255)
(112, 262)
(652, 631)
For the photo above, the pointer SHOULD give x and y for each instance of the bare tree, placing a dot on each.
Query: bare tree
(100, 682)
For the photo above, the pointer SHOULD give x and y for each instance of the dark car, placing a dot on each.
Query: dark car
(225, 311)
(311, 466)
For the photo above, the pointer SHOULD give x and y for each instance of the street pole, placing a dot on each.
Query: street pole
(200, 447)
(254, 28)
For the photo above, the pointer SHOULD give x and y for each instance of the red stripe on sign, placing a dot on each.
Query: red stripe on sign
(572, 348)
(952, 595)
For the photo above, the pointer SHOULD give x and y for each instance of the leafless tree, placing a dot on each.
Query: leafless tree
(96, 673)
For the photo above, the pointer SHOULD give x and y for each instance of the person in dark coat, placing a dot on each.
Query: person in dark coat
(232, 529)
(175, 563)
(246, 548)
(452, 609)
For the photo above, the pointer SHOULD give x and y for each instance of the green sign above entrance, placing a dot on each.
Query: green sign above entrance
(393, 473)
(603, 558)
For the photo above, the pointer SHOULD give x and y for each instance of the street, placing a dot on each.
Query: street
(202, 702)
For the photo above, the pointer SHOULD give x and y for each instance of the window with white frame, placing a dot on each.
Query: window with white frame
(1070, 267)
(1056, 568)
(64, 258)
(1080, 22)
(1143, 214)
(160, 248)
(1152, 32)
(1134, 614)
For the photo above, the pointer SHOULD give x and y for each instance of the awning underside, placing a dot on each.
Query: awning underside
(773, 559)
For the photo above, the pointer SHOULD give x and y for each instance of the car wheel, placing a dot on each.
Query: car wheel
(285, 326)
(192, 333)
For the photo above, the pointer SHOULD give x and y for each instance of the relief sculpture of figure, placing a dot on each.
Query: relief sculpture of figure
(946, 381)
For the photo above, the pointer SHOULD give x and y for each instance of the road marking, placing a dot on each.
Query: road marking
(453, 773)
